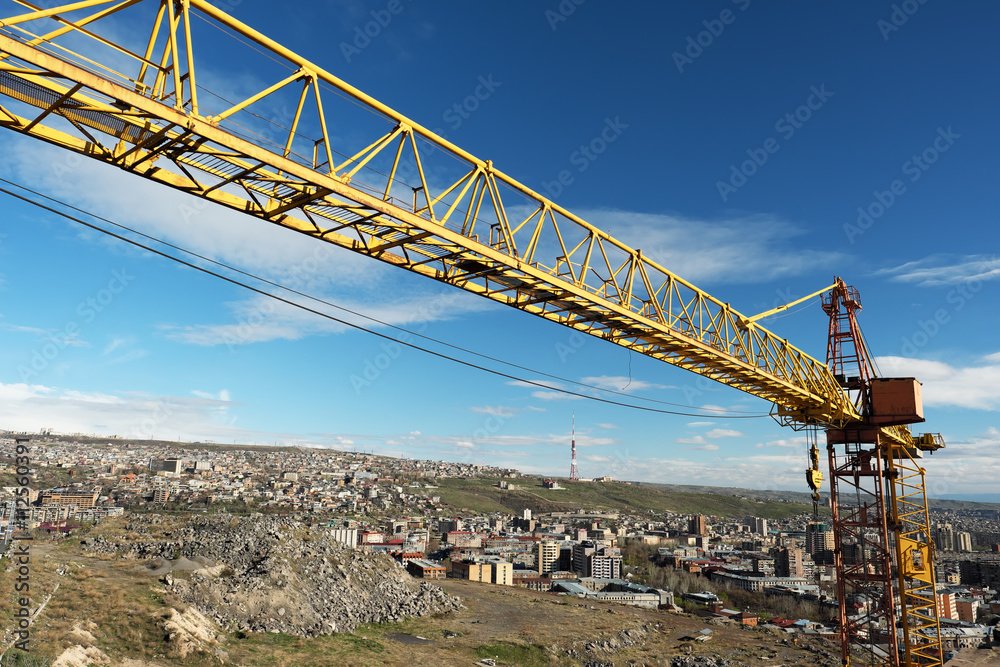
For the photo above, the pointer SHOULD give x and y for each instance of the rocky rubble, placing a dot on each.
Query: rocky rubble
(278, 576)
(621, 640)
(704, 661)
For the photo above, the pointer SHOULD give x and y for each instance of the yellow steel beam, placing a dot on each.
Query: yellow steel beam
(775, 311)
(549, 268)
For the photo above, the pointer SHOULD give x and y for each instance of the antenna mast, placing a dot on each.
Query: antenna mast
(574, 474)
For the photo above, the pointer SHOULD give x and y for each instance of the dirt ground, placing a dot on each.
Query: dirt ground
(974, 657)
(121, 599)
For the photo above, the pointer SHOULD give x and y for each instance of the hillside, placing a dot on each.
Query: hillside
(484, 496)
(804, 496)
(110, 605)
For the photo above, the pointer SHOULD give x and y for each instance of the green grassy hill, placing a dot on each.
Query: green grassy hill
(483, 496)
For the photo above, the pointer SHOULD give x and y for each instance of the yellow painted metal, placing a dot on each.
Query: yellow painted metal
(814, 476)
(910, 521)
(779, 309)
(547, 268)
(550, 262)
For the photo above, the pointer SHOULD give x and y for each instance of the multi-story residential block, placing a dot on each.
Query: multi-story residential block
(789, 563)
(548, 556)
(698, 525)
(425, 569)
(472, 570)
(70, 497)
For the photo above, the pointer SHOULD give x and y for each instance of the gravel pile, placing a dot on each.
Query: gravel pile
(274, 575)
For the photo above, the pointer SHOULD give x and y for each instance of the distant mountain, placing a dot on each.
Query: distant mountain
(983, 501)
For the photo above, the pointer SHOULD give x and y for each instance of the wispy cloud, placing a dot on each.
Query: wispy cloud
(620, 383)
(696, 440)
(723, 433)
(495, 410)
(112, 346)
(17, 328)
(750, 249)
(938, 270)
(784, 442)
(556, 390)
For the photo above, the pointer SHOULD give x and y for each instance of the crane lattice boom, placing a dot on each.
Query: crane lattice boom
(132, 99)
(484, 232)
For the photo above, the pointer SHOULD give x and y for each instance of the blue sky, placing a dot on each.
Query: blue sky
(868, 132)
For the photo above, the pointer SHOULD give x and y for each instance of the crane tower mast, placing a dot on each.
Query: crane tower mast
(131, 99)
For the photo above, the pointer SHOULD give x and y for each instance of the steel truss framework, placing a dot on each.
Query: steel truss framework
(484, 232)
(138, 105)
(883, 552)
(880, 518)
(864, 562)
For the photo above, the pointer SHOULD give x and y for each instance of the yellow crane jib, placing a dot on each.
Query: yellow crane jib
(138, 104)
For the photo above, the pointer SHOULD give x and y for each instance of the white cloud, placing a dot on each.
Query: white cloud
(595, 458)
(938, 270)
(112, 346)
(975, 387)
(128, 414)
(558, 392)
(695, 424)
(705, 448)
(723, 433)
(799, 442)
(751, 249)
(620, 383)
(17, 328)
(495, 410)
(608, 426)
(696, 440)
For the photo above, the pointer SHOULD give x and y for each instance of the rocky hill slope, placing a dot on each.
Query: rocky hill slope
(269, 574)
